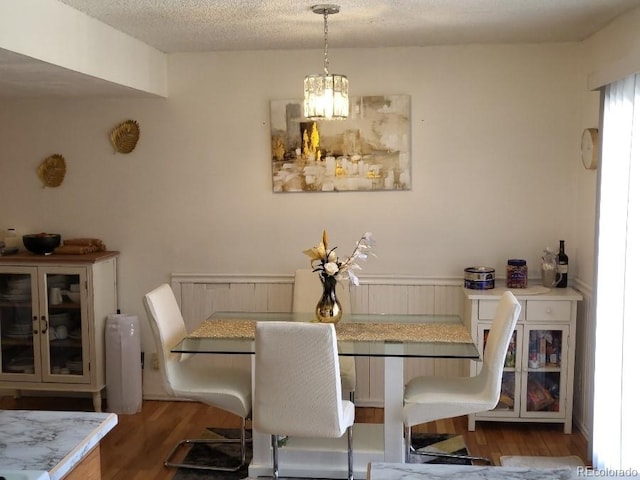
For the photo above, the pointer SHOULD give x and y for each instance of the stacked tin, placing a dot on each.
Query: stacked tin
(479, 278)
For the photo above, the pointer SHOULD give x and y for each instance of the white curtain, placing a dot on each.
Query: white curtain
(617, 351)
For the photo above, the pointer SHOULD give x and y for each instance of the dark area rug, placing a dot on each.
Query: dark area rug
(228, 454)
(221, 454)
(439, 443)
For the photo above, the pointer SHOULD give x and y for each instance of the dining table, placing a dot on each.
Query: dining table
(392, 337)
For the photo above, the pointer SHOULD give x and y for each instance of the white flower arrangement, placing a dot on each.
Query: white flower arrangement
(325, 261)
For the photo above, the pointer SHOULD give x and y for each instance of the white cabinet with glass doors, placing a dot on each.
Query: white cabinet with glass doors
(537, 383)
(53, 311)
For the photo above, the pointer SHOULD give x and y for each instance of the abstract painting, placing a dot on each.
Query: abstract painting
(369, 151)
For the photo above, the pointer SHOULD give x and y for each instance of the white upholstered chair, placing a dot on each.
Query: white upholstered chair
(186, 377)
(297, 385)
(307, 289)
(429, 398)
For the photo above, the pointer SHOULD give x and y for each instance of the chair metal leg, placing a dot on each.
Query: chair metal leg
(409, 450)
(242, 441)
(350, 452)
(274, 452)
(452, 455)
(407, 443)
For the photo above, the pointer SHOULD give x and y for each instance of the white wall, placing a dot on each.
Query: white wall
(494, 143)
(614, 52)
(54, 33)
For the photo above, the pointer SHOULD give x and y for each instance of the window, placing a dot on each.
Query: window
(616, 385)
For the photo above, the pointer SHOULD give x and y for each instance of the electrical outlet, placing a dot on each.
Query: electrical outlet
(154, 361)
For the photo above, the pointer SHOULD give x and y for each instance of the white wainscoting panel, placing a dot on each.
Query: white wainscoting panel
(584, 365)
(201, 295)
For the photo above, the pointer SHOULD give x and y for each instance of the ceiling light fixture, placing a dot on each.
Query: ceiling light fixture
(326, 96)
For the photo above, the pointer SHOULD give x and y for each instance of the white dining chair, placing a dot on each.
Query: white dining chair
(429, 398)
(307, 289)
(186, 377)
(297, 385)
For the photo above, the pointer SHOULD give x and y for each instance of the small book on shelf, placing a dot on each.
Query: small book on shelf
(538, 397)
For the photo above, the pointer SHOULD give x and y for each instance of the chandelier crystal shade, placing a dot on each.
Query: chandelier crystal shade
(326, 96)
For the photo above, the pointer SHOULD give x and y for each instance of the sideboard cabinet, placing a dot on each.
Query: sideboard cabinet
(53, 311)
(537, 384)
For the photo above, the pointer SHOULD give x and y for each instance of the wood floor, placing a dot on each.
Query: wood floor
(136, 447)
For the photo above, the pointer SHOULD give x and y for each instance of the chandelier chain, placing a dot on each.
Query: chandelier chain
(326, 42)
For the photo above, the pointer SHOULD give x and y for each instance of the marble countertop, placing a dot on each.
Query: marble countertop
(50, 440)
(412, 471)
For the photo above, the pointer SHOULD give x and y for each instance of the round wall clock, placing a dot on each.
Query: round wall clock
(589, 147)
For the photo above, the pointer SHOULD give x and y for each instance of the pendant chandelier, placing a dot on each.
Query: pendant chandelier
(326, 96)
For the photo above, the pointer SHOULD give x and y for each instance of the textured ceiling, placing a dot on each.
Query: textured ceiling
(173, 26)
(207, 25)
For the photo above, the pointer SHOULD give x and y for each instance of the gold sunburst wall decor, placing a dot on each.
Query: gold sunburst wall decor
(52, 170)
(124, 136)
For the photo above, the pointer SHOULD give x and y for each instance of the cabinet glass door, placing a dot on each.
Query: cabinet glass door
(62, 346)
(18, 326)
(545, 367)
(510, 392)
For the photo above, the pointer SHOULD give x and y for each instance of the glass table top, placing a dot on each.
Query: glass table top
(369, 335)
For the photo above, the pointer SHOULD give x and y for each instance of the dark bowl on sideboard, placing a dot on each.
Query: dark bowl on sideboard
(41, 243)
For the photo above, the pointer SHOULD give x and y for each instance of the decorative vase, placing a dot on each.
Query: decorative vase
(328, 309)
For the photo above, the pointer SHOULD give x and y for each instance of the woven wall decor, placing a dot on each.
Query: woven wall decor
(52, 170)
(124, 137)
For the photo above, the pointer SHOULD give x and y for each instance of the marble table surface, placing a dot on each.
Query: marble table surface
(52, 441)
(412, 471)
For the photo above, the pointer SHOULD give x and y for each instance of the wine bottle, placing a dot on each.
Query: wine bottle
(563, 266)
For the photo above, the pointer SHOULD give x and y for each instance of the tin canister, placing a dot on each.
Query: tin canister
(479, 278)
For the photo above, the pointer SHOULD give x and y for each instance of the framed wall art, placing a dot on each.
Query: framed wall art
(369, 151)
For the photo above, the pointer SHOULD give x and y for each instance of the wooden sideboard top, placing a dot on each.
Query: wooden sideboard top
(22, 258)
